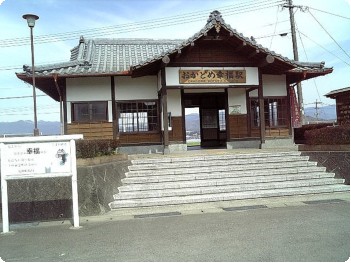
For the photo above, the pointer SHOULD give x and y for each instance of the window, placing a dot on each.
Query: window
(221, 118)
(275, 112)
(138, 116)
(89, 111)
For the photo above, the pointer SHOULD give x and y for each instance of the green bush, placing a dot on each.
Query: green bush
(94, 148)
(332, 135)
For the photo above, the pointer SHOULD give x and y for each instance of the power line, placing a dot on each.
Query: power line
(329, 13)
(328, 34)
(147, 24)
(21, 97)
(303, 47)
(324, 48)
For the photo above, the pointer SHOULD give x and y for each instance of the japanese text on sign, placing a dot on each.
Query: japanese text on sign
(212, 76)
(37, 158)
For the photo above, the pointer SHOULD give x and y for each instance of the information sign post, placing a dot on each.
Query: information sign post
(38, 157)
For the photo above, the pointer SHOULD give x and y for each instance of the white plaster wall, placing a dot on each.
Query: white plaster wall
(172, 76)
(237, 96)
(128, 88)
(273, 85)
(88, 89)
(174, 104)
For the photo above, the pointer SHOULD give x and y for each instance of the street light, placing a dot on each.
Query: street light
(31, 23)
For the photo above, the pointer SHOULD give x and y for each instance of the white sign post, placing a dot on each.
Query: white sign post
(38, 157)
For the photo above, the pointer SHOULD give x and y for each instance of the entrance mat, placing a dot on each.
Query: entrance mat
(325, 201)
(241, 208)
(158, 215)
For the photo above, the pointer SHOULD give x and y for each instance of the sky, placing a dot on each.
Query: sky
(323, 34)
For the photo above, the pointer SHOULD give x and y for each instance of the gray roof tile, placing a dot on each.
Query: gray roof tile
(117, 56)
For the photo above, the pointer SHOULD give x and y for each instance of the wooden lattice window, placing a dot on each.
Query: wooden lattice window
(91, 111)
(138, 116)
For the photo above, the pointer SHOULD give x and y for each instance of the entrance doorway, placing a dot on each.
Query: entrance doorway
(192, 127)
(212, 117)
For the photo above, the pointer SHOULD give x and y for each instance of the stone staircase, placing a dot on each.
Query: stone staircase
(221, 177)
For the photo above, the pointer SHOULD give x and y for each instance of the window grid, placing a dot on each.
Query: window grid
(138, 116)
(89, 111)
(275, 112)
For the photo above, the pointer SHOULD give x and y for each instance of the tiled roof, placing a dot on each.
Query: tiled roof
(106, 56)
(215, 20)
(333, 93)
(119, 56)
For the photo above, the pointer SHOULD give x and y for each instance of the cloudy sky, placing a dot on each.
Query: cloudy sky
(323, 33)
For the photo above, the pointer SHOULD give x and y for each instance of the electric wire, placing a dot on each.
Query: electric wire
(329, 13)
(275, 28)
(324, 48)
(303, 47)
(145, 25)
(329, 34)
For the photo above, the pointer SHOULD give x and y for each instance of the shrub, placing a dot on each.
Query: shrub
(94, 148)
(332, 135)
(299, 133)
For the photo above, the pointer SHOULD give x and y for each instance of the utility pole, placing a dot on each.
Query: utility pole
(316, 108)
(296, 56)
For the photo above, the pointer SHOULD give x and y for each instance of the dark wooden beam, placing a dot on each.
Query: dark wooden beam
(240, 47)
(165, 112)
(179, 52)
(269, 59)
(254, 53)
(114, 108)
(261, 106)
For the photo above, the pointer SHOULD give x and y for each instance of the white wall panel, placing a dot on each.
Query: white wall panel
(237, 97)
(174, 103)
(128, 88)
(273, 85)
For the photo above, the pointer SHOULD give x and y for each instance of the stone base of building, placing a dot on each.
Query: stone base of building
(178, 147)
(273, 143)
(240, 144)
(140, 149)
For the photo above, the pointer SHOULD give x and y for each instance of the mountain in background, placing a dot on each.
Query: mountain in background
(326, 113)
(26, 127)
(192, 122)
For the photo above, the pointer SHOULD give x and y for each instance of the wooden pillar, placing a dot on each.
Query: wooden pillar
(248, 113)
(183, 115)
(114, 108)
(165, 112)
(227, 122)
(289, 116)
(64, 105)
(261, 106)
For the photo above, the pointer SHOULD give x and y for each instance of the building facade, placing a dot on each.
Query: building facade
(342, 99)
(137, 90)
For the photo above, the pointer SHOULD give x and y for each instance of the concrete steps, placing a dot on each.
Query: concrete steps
(208, 178)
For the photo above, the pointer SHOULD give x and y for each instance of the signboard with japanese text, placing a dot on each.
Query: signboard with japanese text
(211, 76)
(36, 158)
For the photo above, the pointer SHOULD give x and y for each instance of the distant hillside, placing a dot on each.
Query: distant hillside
(192, 122)
(25, 127)
(324, 113)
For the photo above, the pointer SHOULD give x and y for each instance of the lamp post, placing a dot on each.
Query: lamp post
(31, 23)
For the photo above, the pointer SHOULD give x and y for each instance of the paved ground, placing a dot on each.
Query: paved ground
(310, 228)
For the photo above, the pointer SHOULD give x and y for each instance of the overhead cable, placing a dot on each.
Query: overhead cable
(324, 48)
(329, 34)
(148, 24)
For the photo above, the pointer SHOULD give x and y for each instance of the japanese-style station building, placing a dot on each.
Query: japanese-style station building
(137, 90)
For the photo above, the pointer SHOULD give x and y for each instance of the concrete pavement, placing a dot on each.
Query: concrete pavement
(300, 228)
